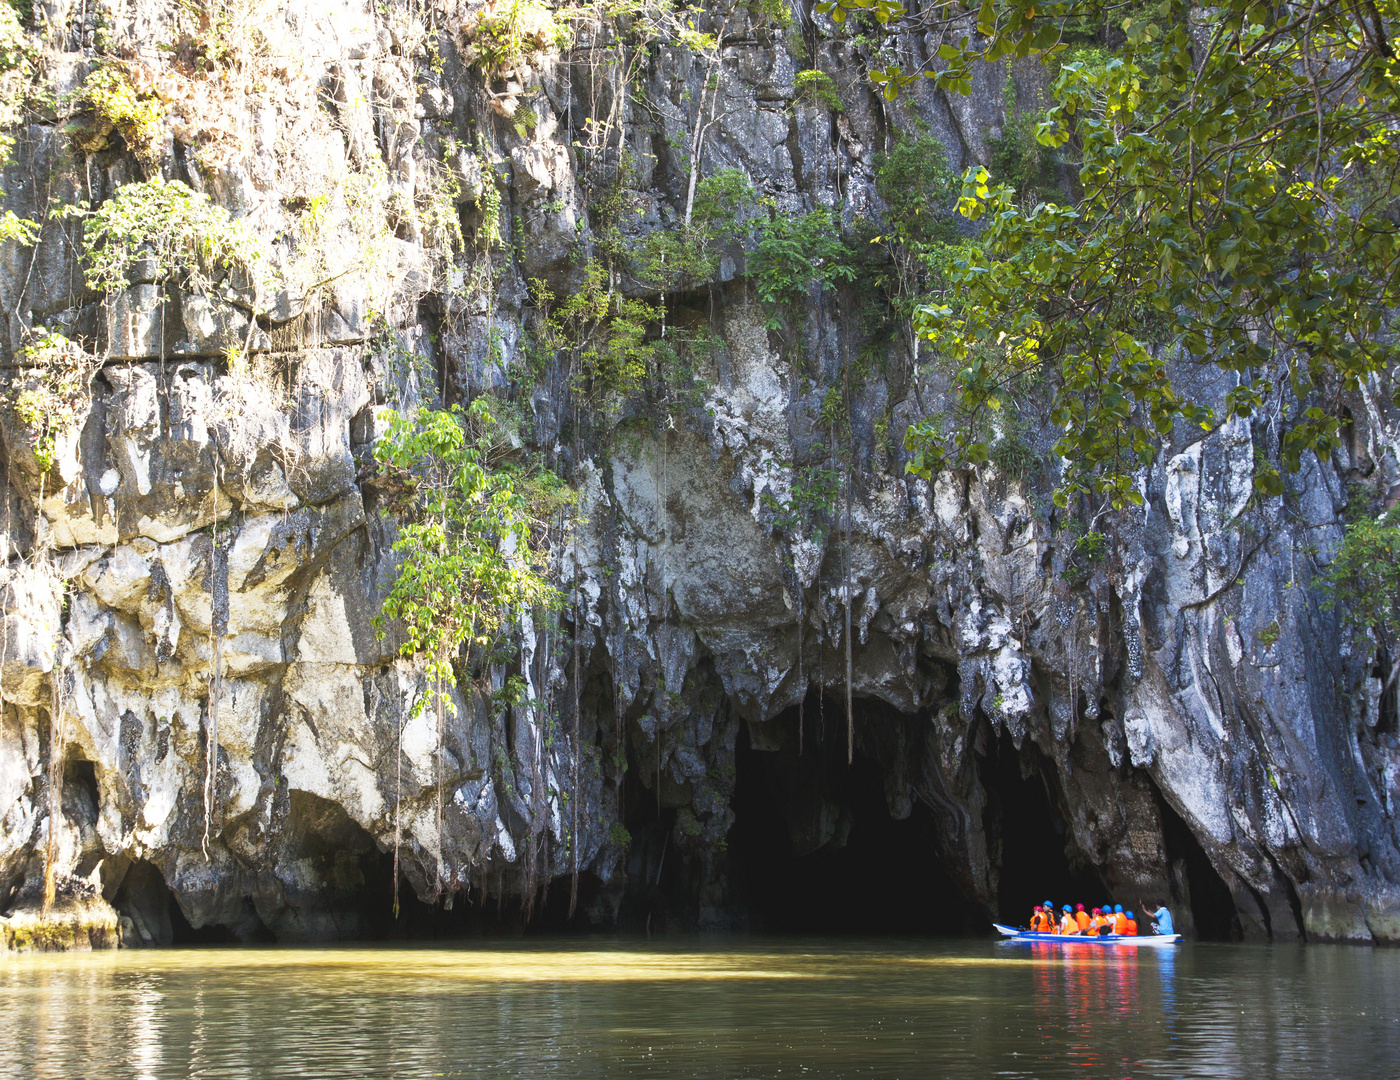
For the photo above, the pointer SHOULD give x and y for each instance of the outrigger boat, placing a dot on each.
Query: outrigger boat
(1137, 941)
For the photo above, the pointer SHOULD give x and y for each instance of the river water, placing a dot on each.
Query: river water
(710, 1007)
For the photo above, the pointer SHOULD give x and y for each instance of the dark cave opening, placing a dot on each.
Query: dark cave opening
(1037, 858)
(814, 846)
(1212, 907)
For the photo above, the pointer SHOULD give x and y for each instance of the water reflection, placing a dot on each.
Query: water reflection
(823, 1009)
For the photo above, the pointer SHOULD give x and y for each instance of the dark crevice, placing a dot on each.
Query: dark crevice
(1211, 905)
(1027, 837)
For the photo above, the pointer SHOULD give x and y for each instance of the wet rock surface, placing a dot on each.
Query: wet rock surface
(1184, 712)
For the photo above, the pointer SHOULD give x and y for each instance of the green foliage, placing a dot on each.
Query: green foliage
(810, 498)
(794, 254)
(1013, 455)
(470, 555)
(506, 35)
(602, 332)
(687, 256)
(1089, 552)
(117, 108)
(51, 392)
(1214, 153)
(775, 13)
(177, 229)
(920, 189)
(818, 87)
(619, 836)
(1023, 163)
(1269, 635)
(1363, 582)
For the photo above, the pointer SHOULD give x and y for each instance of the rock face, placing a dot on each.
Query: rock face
(1193, 719)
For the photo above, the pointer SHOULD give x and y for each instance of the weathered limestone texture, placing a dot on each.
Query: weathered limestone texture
(1191, 673)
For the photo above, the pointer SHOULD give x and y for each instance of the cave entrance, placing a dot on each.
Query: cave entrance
(1038, 858)
(1212, 908)
(815, 848)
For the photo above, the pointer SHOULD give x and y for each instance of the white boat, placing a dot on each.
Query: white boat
(1137, 941)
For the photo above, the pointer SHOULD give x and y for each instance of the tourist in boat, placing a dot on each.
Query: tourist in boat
(1099, 923)
(1038, 920)
(1067, 922)
(1132, 925)
(1082, 918)
(1161, 920)
(1051, 925)
(1120, 921)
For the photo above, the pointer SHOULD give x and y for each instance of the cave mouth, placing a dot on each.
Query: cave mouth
(1028, 838)
(815, 849)
(1214, 916)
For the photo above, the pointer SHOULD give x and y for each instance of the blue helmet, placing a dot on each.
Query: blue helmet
(1129, 914)
(1066, 907)
(1118, 909)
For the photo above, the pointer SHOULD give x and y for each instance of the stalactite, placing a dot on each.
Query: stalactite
(437, 783)
(398, 797)
(218, 630)
(55, 782)
(578, 680)
(850, 465)
(211, 748)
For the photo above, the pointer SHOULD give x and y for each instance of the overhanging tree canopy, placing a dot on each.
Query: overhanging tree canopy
(1236, 207)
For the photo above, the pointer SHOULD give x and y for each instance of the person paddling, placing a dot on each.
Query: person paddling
(1161, 919)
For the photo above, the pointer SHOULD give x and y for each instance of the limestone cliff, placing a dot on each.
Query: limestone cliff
(1193, 713)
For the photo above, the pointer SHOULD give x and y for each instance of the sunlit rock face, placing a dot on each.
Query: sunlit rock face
(1201, 729)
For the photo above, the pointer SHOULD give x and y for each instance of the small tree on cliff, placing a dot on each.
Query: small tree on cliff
(471, 553)
(1364, 584)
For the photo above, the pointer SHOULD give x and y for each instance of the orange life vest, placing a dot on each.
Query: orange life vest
(1120, 924)
(1083, 919)
(1101, 922)
(1037, 921)
(1068, 925)
(1132, 927)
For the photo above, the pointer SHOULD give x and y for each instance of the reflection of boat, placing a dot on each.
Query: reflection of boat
(1149, 940)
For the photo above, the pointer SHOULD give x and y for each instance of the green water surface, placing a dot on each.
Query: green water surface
(711, 1007)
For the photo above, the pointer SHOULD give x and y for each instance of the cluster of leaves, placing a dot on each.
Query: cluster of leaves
(1363, 581)
(471, 553)
(809, 501)
(602, 332)
(506, 35)
(177, 230)
(688, 255)
(117, 108)
(795, 254)
(817, 87)
(920, 191)
(52, 392)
